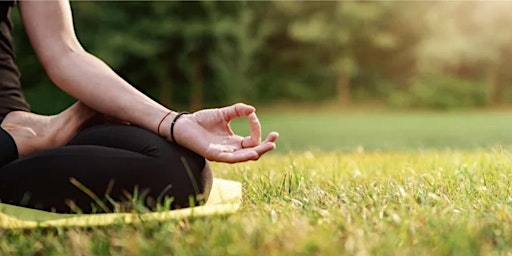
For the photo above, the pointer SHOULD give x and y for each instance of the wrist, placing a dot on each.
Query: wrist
(167, 126)
(164, 126)
(173, 124)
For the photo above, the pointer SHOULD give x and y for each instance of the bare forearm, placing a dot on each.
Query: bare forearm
(49, 25)
(50, 29)
(91, 81)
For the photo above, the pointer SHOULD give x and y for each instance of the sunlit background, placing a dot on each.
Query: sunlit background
(395, 122)
(430, 54)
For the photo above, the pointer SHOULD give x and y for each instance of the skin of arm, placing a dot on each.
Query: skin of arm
(49, 26)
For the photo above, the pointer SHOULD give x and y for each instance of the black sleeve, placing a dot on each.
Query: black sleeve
(8, 149)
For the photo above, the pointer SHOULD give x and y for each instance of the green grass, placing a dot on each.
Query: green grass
(386, 131)
(396, 197)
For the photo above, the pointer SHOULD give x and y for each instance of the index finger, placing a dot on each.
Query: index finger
(255, 128)
(236, 111)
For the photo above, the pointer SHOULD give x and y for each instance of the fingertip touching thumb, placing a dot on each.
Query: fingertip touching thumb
(244, 109)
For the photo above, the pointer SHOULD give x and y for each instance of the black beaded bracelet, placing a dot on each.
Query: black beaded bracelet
(174, 122)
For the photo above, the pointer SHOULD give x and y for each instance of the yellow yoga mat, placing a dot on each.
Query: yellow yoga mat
(225, 197)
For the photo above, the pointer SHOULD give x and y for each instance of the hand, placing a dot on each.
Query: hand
(208, 133)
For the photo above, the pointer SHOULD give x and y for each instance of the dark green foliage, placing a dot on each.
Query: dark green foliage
(196, 54)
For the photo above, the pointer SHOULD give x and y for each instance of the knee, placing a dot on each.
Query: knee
(190, 175)
(206, 181)
(199, 176)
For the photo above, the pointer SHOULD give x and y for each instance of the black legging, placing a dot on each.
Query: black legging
(112, 161)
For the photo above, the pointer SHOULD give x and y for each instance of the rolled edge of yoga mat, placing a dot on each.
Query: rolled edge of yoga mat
(225, 198)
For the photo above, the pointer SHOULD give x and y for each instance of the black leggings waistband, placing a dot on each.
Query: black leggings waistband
(8, 149)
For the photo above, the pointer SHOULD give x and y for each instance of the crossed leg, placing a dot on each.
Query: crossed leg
(111, 161)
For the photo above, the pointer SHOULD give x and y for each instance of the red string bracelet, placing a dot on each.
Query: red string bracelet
(161, 121)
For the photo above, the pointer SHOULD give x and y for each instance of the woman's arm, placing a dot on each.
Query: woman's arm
(49, 26)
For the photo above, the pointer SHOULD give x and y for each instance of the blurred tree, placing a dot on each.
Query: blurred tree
(201, 43)
(467, 40)
(290, 70)
(339, 29)
(135, 38)
(196, 54)
(238, 38)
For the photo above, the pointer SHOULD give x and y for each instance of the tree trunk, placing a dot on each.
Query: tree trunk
(343, 90)
(165, 81)
(493, 92)
(196, 86)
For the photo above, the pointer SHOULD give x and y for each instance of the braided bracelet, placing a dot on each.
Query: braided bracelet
(174, 122)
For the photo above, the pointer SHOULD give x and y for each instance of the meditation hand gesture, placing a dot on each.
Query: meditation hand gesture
(208, 133)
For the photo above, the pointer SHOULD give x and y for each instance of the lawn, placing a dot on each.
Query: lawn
(349, 183)
(381, 130)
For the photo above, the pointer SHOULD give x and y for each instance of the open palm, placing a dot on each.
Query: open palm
(208, 133)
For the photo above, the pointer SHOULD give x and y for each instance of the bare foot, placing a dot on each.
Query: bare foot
(33, 132)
